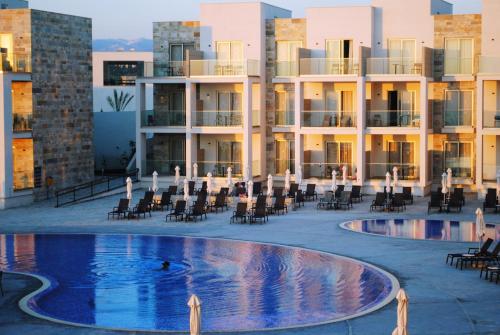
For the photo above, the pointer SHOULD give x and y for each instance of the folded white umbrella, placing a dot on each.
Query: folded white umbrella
(247, 174)
(344, 175)
(287, 180)
(250, 193)
(334, 180)
(388, 183)
(480, 226)
(195, 171)
(449, 179)
(229, 177)
(298, 175)
(155, 182)
(195, 315)
(186, 190)
(269, 186)
(209, 183)
(444, 188)
(177, 175)
(498, 183)
(395, 177)
(402, 325)
(129, 189)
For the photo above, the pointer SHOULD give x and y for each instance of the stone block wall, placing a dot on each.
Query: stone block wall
(166, 33)
(62, 99)
(277, 30)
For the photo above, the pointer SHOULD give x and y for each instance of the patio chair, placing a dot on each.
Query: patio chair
(472, 251)
(224, 190)
(220, 202)
(257, 188)
(345, 200)
(293, 189)
(311, 192)
(326, 202)
(299, 198)
(121, 210)
(201, 197)
(240, 213)
(259, 213)
(172, 189)
(1, 282)
(477, 258)
(356, 194)
(459, 193)
(191, 185)
(198, 210)
(165, 201)
(379, 202)
(279, 206)
(338, 191)
(178, 211)
(489, 267)
(277, 192)
(454, 203)
(492, 191)
(149, 198)
(142, 208)
(435, 202)
(203, 187)
(390, 193)
(490, 202)
(398, 203)
(407, 195)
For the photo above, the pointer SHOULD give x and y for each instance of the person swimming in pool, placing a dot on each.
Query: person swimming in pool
(165, 266)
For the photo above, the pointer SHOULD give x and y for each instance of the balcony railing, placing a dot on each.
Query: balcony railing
(22, 122)
(287, 69)
(405, 171)
(458, 66)
(324, 170)
(284, 118)
(460, 167)
(15, 62)
(388, 118)
(151, 118)
(164, 168)
(329, 119)
(219, 168)
(491, 119)
(458, 118)
(282, 165)
(218, 119)
(394, 66)
(223, 68)
(490, 65)
(170, 69)
(328, 66)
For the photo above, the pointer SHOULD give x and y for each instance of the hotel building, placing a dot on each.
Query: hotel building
(403, 84)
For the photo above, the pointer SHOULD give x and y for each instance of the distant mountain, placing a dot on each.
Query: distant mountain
(142, 44)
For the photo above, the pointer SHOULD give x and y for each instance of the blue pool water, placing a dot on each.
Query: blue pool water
(424, 229)
(116, 281)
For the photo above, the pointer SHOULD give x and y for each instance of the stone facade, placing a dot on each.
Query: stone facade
(166, 33)
(62, 98)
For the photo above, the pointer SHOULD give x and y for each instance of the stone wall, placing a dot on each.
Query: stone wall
(277, 30)
(166, 33)
(62, 98)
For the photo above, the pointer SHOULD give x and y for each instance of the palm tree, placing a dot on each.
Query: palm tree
(119, 102)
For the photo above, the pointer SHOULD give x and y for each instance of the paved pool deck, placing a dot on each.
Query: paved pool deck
(443, 300)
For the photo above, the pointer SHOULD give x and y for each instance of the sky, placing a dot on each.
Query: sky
(132, 19)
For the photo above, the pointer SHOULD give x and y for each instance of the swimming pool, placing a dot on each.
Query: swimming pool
(423, 229)
(116, 281)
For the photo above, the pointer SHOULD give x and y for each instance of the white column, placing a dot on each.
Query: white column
(299, 107)
(6, 163)
(360, 128)
(479, 135)
(247, 128)
(140, 103)
(424, 140)
(190, 144)
(189, 156)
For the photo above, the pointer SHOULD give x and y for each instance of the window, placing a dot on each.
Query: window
(23, 164)
(401, 109)
(178, 51)
(458, 108)
(338, 154)
(458, 56)
(402, 156)
(284, 102)
(339, 55)
(287, 58)
(402, 55)
(229, 155)
(285, 156)
(458, 157)
(229, 51)
(122, 73)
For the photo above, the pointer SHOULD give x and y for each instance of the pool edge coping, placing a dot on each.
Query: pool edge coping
(46, 284)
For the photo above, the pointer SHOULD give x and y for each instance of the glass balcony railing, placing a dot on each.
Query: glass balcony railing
(284, 118)
(489, 65)
(458, 66)
(329, 119)
(460, 167)
(458, 118)
(287, 68)
(218, 119)
(406, 171)
(165, 168)
(324, 170)
(214, 67)
(165, 69)
(22, 122)
(151, 118)
(491, 118)
(219, 168)
(387, 118)
(15, 62)
(328, 66)
(394, 66)
(284, 164)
